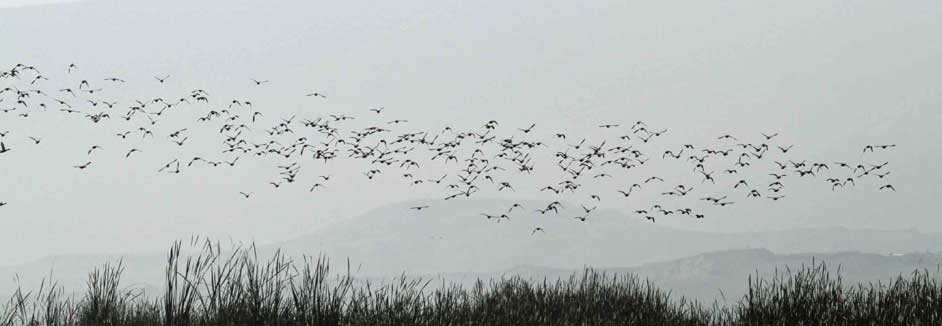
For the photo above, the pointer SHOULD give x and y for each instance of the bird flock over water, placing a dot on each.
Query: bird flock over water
(460, 163)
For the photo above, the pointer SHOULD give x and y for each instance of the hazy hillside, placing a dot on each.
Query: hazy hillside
(711, 276)
(394, 239)
(703, 276)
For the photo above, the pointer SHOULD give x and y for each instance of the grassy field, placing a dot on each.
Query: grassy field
(235, 287)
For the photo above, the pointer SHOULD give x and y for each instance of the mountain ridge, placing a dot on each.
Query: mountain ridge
(393, 240)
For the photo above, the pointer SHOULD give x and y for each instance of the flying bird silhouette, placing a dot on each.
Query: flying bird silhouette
(887, 187)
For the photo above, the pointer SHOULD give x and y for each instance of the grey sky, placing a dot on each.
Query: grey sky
(27, 3)
(830, 76)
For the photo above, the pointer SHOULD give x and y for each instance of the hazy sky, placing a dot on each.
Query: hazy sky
(26, 3)
(829, 76)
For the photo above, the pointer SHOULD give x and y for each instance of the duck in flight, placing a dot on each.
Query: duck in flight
(582, 163)
(515, 205)
(528, 129)
(871, 147)
(180, 142)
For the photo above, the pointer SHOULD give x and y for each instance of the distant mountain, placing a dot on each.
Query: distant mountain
(452, 237)
(723, 275)
(393, 239)
(704, 276)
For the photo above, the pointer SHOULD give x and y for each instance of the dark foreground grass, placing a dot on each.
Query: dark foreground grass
(237, 288)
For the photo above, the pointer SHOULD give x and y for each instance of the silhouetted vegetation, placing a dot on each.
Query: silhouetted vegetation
(216, 287)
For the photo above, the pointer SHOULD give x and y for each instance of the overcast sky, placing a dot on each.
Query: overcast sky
(829, 76)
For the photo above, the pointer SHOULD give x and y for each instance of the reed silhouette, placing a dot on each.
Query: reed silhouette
(234, 286)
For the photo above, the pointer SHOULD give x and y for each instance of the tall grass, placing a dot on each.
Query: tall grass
(813, 296)
(236, 287)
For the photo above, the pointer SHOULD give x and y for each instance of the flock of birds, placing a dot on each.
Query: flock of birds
(471, 160)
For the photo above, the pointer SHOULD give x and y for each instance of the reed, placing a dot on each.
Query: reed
(236, 287)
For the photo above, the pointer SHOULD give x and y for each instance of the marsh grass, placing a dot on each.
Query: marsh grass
(236, 287)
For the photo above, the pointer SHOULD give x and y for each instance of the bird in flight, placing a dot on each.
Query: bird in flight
(515, 205)
(528, 129)
(580, 161)
(93, 148)
(180, 142)
(871, 147)
(653, 179)
(419, 208)
(83, 166)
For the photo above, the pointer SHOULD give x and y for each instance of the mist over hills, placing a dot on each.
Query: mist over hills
(393, 238)
(460, 247)
(722, 275)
